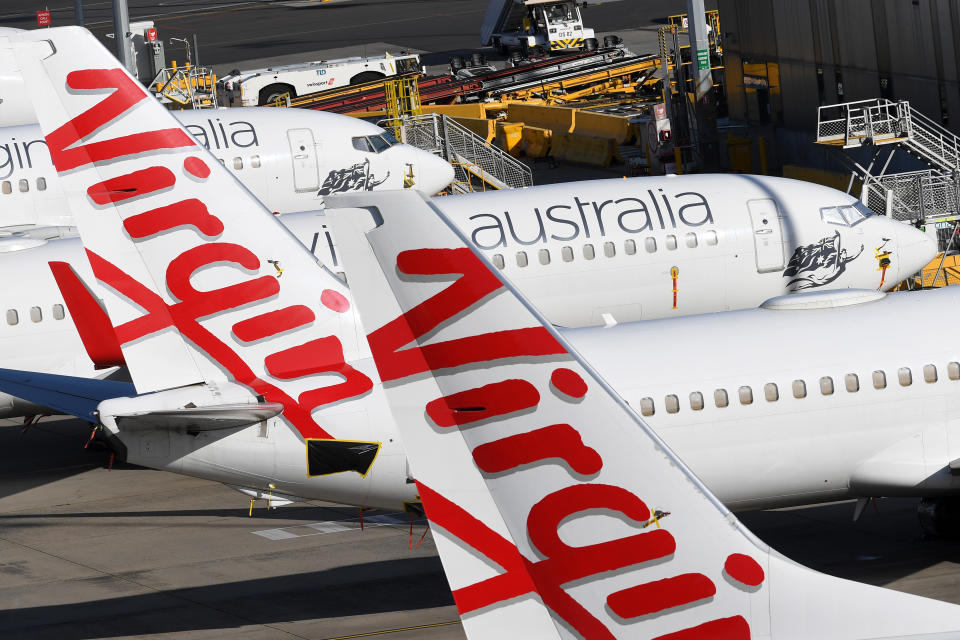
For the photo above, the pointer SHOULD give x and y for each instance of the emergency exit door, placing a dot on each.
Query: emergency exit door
(767, 234)
(303, 150)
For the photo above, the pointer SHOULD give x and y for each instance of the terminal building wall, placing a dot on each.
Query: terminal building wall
(784, 58)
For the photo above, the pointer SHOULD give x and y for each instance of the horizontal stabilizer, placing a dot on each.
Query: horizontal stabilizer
(73, 396)
(224, 416)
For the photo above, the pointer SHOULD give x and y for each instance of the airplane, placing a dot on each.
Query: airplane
(290, 159)
(588, 253)
(237, 391)
(556, 510)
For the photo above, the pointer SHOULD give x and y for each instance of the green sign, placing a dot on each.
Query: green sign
(703, 59)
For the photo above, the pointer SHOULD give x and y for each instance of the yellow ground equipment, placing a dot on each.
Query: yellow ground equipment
(186, 87)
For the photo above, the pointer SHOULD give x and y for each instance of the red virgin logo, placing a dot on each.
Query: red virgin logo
(487, 407)
(318, 356)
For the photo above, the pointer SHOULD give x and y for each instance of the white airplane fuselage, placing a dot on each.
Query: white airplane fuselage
(289, 158)
(895, 440)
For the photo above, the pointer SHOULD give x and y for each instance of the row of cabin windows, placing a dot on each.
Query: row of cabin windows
(238, 162)
(771, 392)
(609, 249)
(36, 314)
(23, 185)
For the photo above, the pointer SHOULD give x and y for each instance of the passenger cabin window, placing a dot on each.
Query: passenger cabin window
(746, 395)
(650, 244)
(852, 382)
(238, 164)
(544, 255)
(845, 215)
(24, 185)
(41, 184)
(567, 254)
(770, 392)
(696, 401)
(646, 406)
(588, 252)
(36, 315)
(671, 403)
(498, 261)
(710, 237)
(904, 376)
(691, 239)
(12, 317)
(254, 162)
(629, 247)
(799, 389)
(609, 249)
(879, 379)
(671, 242)
(826, 385)
(953, 370)
(58, 313)
(521, 258)
(6, 187)
(720, 398)
(929, 373)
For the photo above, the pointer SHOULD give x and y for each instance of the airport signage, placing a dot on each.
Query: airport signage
(43, 18)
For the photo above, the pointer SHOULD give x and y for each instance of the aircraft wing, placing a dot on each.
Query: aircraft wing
(556, 511)
(67, 394)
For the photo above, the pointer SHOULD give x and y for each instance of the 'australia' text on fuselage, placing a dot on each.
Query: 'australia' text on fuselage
(564, 222)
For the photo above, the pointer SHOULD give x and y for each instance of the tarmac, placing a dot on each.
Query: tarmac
(89, 552)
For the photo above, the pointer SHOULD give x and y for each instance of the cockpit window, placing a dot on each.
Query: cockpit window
(389, 137)
(362, 144)
(379, 144)
(374, 144)
(845, 215)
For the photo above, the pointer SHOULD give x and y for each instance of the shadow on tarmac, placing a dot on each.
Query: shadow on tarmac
(369, 588)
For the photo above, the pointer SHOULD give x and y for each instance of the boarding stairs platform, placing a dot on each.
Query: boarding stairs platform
(472, 157)
(930, 195)
(881, 121)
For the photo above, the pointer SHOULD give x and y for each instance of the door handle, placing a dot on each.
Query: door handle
(301, 156)
(759, 231)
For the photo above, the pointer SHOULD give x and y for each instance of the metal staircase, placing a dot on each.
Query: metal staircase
(931, 195)
(880, 121)
(472, 157)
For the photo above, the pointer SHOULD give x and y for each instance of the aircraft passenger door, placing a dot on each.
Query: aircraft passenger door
(303, 149)
(767, 234)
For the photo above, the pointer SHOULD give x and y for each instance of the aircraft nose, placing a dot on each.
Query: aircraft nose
(431, 173)
(915, 248)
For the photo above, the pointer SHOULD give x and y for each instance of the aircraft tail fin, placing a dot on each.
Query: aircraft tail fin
(202, 284)
(556, 510)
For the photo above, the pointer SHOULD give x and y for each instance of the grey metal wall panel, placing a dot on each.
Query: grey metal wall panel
(854, 34)
(798, 90)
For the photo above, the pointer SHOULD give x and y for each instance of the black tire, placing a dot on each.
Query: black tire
(270, 93)
(367, 76)
(516, 56)
(591, 44)
(478, 59)
(611, 41)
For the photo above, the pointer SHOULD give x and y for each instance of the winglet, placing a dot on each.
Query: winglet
(91, 320)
